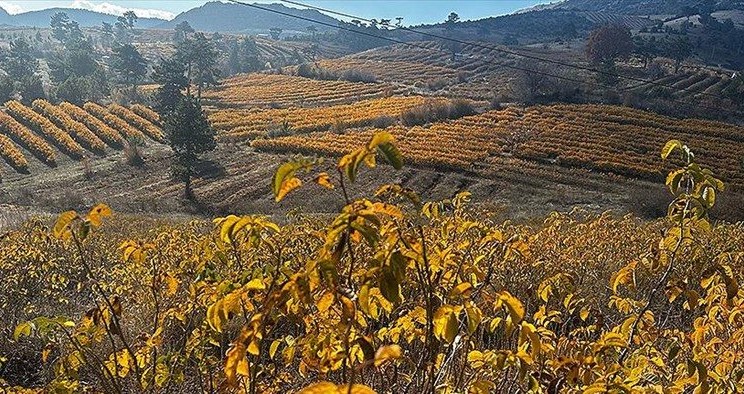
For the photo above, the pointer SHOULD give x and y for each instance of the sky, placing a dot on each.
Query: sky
(413, 11)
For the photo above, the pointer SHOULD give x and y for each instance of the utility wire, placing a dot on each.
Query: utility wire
(506, 51)
(493, 60)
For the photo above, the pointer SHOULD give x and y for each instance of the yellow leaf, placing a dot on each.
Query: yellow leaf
(172, 284)
(62, 226)
(387, 353)
(513, 305)
(255, 284)
(273, 348)
(670, 147)
(446, 324)
(254, 348)
(96, 215)
(331, 388)
(235, 356)
(474, 315)
(324, 180)
(325, 301)
(287, 186)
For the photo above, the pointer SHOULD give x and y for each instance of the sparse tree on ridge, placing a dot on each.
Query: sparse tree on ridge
(275, 33)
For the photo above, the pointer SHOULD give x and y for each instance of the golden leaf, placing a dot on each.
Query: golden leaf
(96, 215)
(286, 187)
(324, 180)
(387, 353)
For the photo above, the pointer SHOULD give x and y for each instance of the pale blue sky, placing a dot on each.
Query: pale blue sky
(413, 11)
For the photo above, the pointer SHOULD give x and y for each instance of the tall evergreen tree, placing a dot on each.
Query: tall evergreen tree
(170, 74)
(190, 135)
(129, 65)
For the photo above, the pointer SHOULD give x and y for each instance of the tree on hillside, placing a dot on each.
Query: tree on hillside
(183, 29)
(313, 31)
(609, 43)
(275, 33)
(449, 26)
(645, 49)
(18, 61)
(74, 68)
(170, 74)
(107, 34)
(200, 57)
(21, 66)
(129, 64)
(65, 30)
(125, 26)
(678, 49)
(190, 135)
(452, 19)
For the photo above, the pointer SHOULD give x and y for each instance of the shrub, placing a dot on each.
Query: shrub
(354, 75)
(437, 110)
(312, 71)
(132, 153)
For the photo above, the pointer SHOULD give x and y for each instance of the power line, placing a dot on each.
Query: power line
(506, 51)
(493, 60)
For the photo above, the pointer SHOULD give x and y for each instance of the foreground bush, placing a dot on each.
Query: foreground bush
(391, 295)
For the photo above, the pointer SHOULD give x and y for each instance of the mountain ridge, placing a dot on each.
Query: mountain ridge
(85, 18)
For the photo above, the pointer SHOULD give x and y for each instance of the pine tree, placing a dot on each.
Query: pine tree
(129, 65)
(190, 135)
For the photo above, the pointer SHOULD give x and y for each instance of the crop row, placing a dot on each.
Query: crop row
(137, 121)
(146, 113)
(45, 127)
(113, 121)
(264, 90)
(77, 130)
(32, 142)
(112, 137)
(12, 154)
(240, 125)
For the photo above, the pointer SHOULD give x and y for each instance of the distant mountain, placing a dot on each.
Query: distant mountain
(85, 18)
(223, 17)
(641, 7)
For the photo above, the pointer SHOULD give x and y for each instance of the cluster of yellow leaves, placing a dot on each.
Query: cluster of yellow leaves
(389, 295)
(45, 127)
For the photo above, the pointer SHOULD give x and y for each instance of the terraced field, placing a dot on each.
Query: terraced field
(244, 125)
(282, 91)
(539, 140)
(44, 132)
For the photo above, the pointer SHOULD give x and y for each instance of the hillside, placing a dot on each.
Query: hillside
(224, 17)
(641, 7)
(84, 18)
